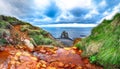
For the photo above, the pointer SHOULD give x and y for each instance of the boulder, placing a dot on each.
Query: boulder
(28, 44)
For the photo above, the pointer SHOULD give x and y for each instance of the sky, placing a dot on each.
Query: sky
(44, 12)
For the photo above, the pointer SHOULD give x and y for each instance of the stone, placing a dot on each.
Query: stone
(29, 44)
(64, 34)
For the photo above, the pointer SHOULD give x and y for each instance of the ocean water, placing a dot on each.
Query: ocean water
(73, 32)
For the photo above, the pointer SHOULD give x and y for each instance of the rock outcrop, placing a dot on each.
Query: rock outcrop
(64, 35)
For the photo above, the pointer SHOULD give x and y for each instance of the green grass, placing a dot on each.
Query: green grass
(106, 37)
(39, 36)
(41, 40)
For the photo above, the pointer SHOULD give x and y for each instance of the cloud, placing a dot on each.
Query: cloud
(114, 11)
(44, 20)
(16, 8)
(4, 8)
(103, 3)
(69, 25)
(60, 11)
(110, 13)
(91, 13)
(70, 4)
(77, 12)
(41, 4)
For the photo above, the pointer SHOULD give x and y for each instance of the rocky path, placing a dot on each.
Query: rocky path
(43, 58)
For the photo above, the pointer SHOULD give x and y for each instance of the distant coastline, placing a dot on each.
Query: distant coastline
(76, 32)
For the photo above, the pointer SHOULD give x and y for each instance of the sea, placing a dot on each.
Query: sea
(73, 32)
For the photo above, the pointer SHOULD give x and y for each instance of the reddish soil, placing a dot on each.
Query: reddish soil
(21, 34)
(44, 58)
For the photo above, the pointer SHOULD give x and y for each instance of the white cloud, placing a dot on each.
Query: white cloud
(64, 15)
(47, 19)
(66, 5)
(105, 13)
(5, 8)
(114, 11)
(9, 9)
(103, 3)
(41, 4)
(91, 13)
(69, 25)
(69, 4)
(109, 15)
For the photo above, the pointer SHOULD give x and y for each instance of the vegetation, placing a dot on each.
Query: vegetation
(93, 59)
(39, 36)
(104, 42)
(41, 40)
(3, 41)
(4, 25)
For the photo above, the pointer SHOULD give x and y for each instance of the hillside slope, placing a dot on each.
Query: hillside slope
(23, 46)
(104, 43)
(16, 32)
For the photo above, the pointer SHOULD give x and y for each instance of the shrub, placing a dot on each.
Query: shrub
(34, 32)
(93, 59)
(3, 41)
(47, 41)
(4, 30)
(23, 28)
(3, 24)
(38, 39)
(43, 32)
(41, 40)
(79, 46)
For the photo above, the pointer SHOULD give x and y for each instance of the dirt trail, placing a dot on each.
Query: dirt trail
(21, 34)
(44, 58)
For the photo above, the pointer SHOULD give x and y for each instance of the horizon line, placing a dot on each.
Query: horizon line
(68, 25)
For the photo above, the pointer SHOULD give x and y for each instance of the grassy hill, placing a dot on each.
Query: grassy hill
(12, 30)
(103, 45)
